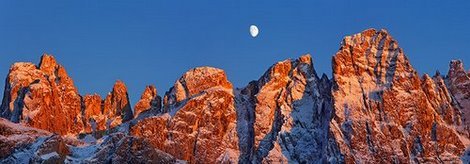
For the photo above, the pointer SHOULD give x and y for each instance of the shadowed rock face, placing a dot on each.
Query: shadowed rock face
(281, 116)
(20, 144)
(459, 86)
(382, 113)
(119, 148)
(14, 136)
(201, 124)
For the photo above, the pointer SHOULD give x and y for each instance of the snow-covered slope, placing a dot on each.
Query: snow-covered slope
(20, 144)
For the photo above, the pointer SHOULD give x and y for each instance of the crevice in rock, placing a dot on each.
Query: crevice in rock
(267, 143)
(18, 105)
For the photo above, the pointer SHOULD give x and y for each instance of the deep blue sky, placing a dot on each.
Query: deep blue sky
(155, 42)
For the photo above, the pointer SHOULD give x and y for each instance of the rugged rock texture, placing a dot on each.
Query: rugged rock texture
(14, 136)
(42, 96)
(93, 117)
(458, 81)
(119, 148)
(201, 124)
(117, 108)
(441, 99)
(20, 144)
(381, 113)
(52, 150)
(149, 102)
(100, 115)
(375, 109)
(283, 116)
(45, 97)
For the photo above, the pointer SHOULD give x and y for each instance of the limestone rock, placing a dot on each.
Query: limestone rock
(375, 109)
(201, 124)
(117, 108)
(94, 119)
(282, 116)
(149, 102)
(119, 148)
(458, 82)
(381, 112)
(42, 96)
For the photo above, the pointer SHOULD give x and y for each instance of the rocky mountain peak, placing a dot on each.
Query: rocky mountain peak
(194, 82)
(149, 92)
(42, 96)
(45, 97)
(283, 70)
(456, 65)
(371, 53)
(117, 107)
(375, 85)
(200, 125)
(202, 78)
(48, 64)
(149, 101)
(119, 89)
(457, 72)
(278, 114)
(458, 82)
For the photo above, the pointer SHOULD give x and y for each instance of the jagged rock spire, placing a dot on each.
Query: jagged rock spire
(458, 81)
(42, 96)
(149, 101)
(117, 107)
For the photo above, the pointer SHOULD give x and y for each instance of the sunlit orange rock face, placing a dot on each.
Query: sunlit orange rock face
(200, 125)
(104, 114)
(42, 96)
(383, 111)
(45, 97)
(441, 99)
(117, 108)
(93, 114)
(149, 101)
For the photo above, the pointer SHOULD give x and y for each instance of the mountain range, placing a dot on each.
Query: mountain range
(375, 108)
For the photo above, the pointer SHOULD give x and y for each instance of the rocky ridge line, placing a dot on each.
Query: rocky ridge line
(374, 109)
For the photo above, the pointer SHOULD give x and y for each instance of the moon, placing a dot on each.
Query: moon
(254, 31)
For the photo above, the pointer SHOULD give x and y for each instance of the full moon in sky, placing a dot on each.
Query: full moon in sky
(254, 31)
